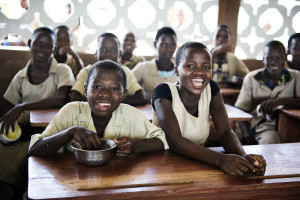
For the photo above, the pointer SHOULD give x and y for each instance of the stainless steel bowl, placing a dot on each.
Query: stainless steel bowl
(94, 158)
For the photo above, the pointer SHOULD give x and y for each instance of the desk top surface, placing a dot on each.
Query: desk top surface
(163, 174)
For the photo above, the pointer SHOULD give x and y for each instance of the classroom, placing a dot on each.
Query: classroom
(187, 99)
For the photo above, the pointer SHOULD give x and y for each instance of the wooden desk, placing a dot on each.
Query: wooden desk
(164, 175)
(41, 118)
(289, 125)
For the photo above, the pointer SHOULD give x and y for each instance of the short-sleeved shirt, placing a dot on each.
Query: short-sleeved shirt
(193, 128)
(134, 60)
(231, 66)
(70, 61)
(255, 90)
(132, 85)
(126, 121)
(146, 73)
(20, 90)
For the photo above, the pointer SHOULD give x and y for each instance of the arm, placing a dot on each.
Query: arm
(138, 99)
(58, 100)
(248, 136)
(126, 146)
(76, 96)
(229, 139)
(222, 49)
(269, 106)
(50, 145)
(76, 57)
(179, 144)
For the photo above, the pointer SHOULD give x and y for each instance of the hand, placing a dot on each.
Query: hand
(258, 162)
(86, 138)
(124, 147)
(9, 119)
(64, 49)
(232, 164)
(269, 106)
(223, 48)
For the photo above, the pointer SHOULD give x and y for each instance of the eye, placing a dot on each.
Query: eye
(206, 67)
(103, 50)
(173, 45)
(115, 89)
(163, 44)
(96, 86)
(48, 46)
(190, 66)
(114, 50)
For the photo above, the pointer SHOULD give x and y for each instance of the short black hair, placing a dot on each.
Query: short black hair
(225, 27)
(187, 45)
(275, 43)
(62, 27)
(165, 30)
(107, 65)
(45, 30)
(294, 36)
(107, 34)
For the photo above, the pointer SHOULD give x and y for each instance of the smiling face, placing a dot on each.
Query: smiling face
(62, 38)
(222, 36)
(274, 59)
(166, 45)
(108, 48)
(194, 70)
(104, 92)
(129, 43)
(42, 46)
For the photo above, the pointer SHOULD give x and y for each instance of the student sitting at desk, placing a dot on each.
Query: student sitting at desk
(225, 63)
(263, 91)
(294, 51)
(127, 58)
(109, 48)
(102, 116)
(43, 83)
(183, 111)
(161, 69)
(63, 52)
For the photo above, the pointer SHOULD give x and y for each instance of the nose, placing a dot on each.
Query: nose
(198, 70)
(104, 92)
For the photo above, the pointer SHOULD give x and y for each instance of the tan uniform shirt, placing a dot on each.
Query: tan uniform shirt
(126, 121)
(146, 74)
(131, 83)
(72, 64)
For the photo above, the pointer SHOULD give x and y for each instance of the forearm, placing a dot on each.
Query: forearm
(149, 145)
(137, 99)
(77, 59)
(231, 143)
(76, 96)
(292, 102)
(50, 145)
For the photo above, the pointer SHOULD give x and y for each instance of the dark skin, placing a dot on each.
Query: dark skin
(42, 46)
(222, 42)
(274, 59)
(196, 64)
(294, 50)
(108, 48)
(128, 46)
(165, 45)
(63, 46)
(104, 94)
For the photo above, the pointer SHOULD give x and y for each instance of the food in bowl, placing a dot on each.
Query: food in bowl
(93, 158)
(11, 136)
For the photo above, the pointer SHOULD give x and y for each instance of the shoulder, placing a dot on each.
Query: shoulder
(129, 112)
(214, 88)
(144, 64)
(162, 90)
(75, 107)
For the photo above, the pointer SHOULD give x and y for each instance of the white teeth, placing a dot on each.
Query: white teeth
(276, 67)
(198, 79)
(104, 104)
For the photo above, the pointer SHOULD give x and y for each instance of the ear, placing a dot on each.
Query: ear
(124, 94)
(176, 71)
(154, 44)
(288, 52)
(85, 89)
(29, 43)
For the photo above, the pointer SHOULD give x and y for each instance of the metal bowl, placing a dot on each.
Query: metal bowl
(93, 158)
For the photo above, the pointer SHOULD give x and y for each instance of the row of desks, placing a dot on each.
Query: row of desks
(41, 118)
(165, 175)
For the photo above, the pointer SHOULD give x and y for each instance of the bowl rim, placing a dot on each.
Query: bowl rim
(114, 146)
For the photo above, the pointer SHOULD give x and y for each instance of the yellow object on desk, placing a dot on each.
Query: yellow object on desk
(11, 136)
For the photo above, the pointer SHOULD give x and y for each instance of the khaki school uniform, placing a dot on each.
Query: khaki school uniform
(70, 61)
(126, 121)
(146, 74)
(13, 159)
(131, 84)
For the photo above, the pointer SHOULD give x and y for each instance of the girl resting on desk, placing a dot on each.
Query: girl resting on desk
(183, 112)
(102, 116)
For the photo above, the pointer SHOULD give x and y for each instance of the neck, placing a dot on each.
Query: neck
(164, 64)
(294, 64)
(60, 58)
(126, 55)
(41, 65)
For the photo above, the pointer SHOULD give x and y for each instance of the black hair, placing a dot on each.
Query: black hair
(294, 36)
(45, 30)
(225, 27)
(106, 34)
(107, 65)
(165, 30)
(62, 27)
(275, 43)
(187, 45)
